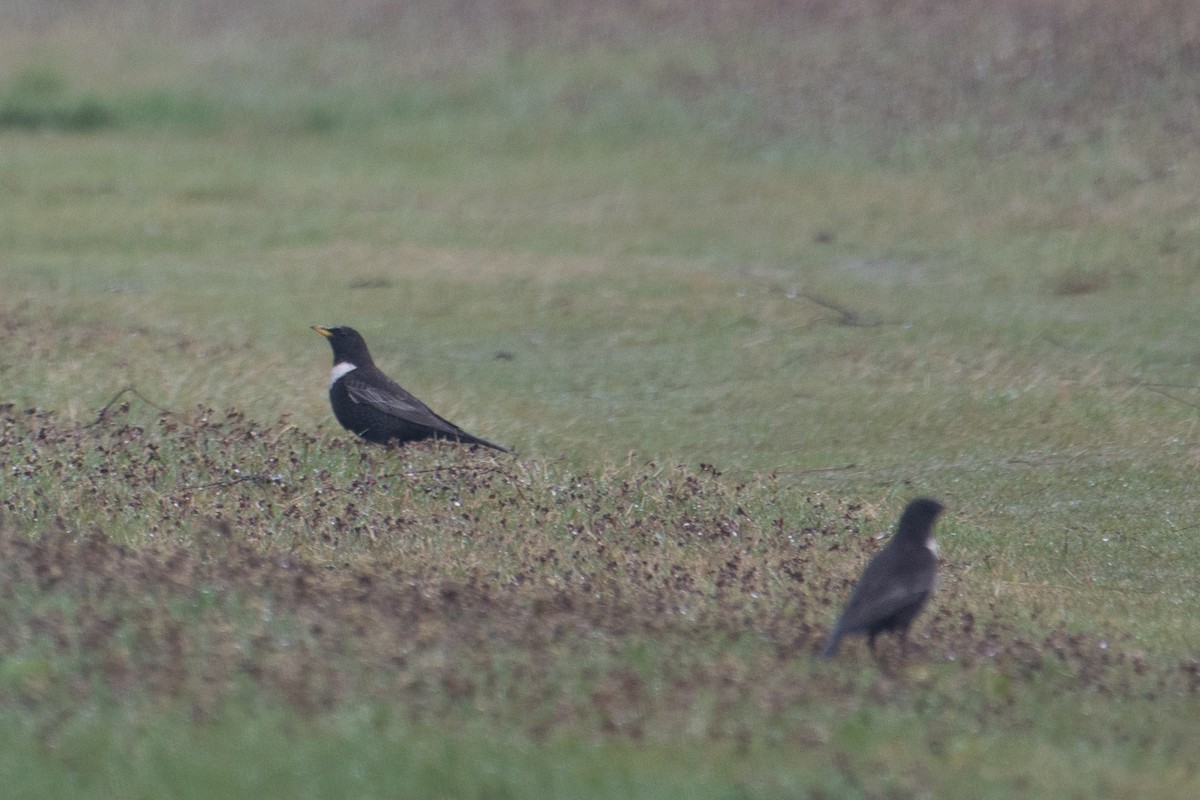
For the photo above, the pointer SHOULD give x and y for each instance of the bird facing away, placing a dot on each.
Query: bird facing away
(368, 403)
(896, 583)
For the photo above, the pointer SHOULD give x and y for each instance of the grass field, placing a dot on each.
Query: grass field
(735, 282)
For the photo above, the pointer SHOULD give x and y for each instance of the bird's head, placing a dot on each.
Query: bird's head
(916, 523)
(348, 345)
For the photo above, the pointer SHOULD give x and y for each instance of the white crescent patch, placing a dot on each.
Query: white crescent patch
(931, 545)
(338, 371)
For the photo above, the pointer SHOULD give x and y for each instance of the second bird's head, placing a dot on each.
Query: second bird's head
(348, 345)
(916, 523)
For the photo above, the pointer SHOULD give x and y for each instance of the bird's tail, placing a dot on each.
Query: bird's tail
(466, 438)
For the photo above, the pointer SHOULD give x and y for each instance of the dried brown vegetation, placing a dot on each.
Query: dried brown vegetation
(188, 557)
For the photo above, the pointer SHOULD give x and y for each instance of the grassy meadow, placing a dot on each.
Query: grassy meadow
(736, 283)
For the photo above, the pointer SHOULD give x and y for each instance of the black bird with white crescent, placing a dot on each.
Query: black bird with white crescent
(370, 404)
(896, 582)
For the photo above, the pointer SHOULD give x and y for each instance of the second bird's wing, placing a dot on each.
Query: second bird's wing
(868, 610)
(885, 589)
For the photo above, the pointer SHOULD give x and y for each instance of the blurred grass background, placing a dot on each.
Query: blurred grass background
(873, 248)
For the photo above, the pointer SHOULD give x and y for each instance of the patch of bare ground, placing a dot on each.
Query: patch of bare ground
(188, 558)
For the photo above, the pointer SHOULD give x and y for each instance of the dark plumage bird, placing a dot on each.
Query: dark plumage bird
(896, 583)
(372, 405)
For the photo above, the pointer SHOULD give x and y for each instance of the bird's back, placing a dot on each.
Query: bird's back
(387, 411)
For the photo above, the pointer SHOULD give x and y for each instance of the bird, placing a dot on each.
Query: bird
(896, 582)
(370, 404)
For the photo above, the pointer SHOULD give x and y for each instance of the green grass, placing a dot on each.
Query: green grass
(843, 258)
(369, 752)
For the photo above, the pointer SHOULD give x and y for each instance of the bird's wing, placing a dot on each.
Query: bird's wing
(893, 580)
(869, 608)
(390, 398)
